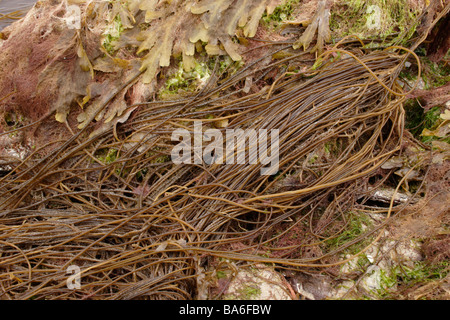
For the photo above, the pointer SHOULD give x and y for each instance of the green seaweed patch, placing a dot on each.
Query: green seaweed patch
(107, 156)
(250, 292)
(181, 81)
(414, 117)
(434, 74)
(14, 121)
(226, 67)
(281, 13)
(432, 118)
(186, 81)
(418, 121)
(112, 34)
(394, 21)
(404, 277)
(140, 175)
(158, 155)
(357, 225)
(221, 275)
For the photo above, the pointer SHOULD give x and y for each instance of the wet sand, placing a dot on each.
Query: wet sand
(11, 10)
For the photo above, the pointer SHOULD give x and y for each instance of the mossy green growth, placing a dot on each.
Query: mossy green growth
(107, 156)
(431, 118)
(333, 147)
(221, 275)
(250, 292)
(226, 66)
(158, 155)
(281, 13)
(416, 120)
(111, 34)
(140, 175)
(182, 81)
(434, 74)
(406, 277)
(395, 21)
(388, 282)
(313, 158)
(414, 117)
(425, 125)
(186, 81)
(356, 226)
(13, 121)
(421, 271)
(363, 261)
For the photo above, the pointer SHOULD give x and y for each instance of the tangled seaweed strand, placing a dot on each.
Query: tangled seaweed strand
(139, 226)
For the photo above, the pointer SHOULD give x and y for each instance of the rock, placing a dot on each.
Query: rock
(311, 286)
(372, 281)
(342, 290)
(257, 283)
(408, 253)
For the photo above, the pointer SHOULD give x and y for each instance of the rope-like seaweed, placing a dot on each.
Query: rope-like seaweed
(139, 226)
